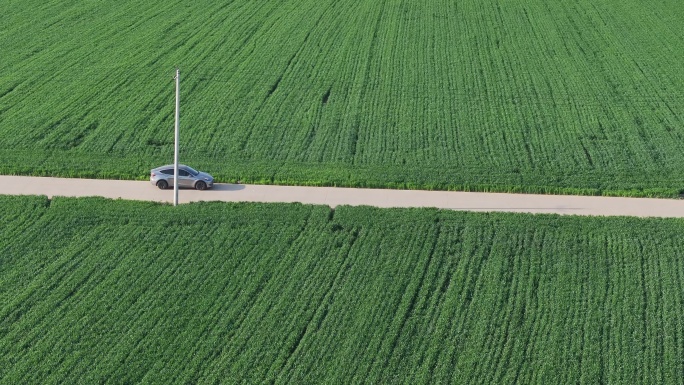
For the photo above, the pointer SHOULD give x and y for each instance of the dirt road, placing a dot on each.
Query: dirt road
(332, 196)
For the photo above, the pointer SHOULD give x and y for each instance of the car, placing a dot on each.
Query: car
(188, 177)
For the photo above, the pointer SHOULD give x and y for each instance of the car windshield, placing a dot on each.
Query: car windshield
(192, 171)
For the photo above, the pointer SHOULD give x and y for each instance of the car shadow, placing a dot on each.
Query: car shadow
(226, 187)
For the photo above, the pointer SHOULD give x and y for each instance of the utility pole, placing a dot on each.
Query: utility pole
(175, 153)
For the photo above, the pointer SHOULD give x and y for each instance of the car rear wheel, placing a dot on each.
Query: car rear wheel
(162, 184)
(200, 186)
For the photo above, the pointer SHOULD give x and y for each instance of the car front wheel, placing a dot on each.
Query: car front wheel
(201, 186)
(162, 184)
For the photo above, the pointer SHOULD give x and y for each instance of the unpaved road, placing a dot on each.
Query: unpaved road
(335, 196)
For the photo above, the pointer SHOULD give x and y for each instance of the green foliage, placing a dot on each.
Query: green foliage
(101, 291)
(579, 97)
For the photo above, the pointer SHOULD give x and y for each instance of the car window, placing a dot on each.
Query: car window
(193, 171)
(168, 171)
(183, 173)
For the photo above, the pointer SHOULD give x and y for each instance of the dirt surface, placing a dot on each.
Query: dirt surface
(332, 196)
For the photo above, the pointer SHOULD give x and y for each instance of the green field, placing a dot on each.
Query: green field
(579, 96)
(99, 291)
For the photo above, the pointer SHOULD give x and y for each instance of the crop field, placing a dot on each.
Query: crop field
(100, 291)
(579, 96)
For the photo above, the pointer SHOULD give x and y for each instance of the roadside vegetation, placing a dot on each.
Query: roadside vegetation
(570, 97)
(103, 291)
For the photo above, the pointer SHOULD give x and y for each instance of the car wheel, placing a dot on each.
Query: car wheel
(162, 184)
(201, 186)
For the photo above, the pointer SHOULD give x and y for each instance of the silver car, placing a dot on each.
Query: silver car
(188, 177)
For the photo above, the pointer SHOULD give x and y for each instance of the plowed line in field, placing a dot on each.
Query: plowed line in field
(678, 269)
(251, 307)
(215, 329)
(435, 306)
(414, 299)
(321, 311)
(374, 41)
(287, 67)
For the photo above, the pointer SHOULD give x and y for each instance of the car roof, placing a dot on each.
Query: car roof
(168, 166)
